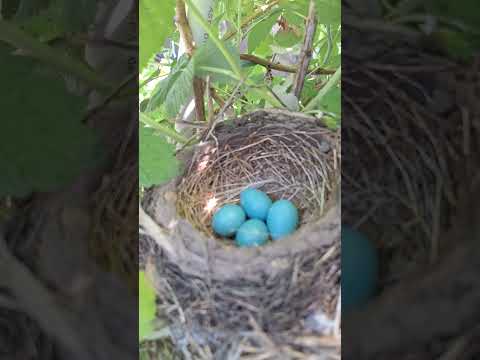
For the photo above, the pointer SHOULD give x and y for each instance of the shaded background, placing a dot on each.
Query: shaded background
(69, 180)
(410, 178)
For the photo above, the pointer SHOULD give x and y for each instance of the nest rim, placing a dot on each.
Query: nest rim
(199, 247)
(238, 157)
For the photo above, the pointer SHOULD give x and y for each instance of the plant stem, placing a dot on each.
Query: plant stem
(329, 45)
(183, 27)
(306, 53)
(163, 129)
(187, 37)
(239, 22)
(330, 83)
(16, 37)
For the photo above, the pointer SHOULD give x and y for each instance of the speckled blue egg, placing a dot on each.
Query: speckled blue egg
(228, 219)
(255, 203)
(359, 269)
(253, 232)
(282, 219)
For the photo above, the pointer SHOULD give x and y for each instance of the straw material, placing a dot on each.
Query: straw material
(273, 302)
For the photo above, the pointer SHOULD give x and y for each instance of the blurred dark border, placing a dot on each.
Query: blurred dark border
(68, 228)
(410, 176)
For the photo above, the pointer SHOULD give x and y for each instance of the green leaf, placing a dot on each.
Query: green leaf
(174, 91)
(299, 6)
(260, 31)
(210, 56)
(294, 19)
(146, 306)
(43, 144)
(156, 24)
(328, 11)
(331, 102)
(157, 160)
(328, 86)
(287, 38)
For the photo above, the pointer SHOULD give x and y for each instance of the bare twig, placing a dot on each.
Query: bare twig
(306, 53)
(183, 27)
(187, 37)
(280, 67)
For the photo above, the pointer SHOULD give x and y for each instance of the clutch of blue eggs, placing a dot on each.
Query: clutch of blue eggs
(256, 219)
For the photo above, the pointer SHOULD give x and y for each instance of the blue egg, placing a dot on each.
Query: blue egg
(253, 232)
(359, 269)
(255, 203)
(228, 219)
(282, 219)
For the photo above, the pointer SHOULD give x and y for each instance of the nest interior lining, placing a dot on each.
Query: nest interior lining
(294, 159)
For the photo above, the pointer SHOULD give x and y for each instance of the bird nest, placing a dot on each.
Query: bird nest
(401, 168)
(292, 158)
(409, 122)
(223, 301)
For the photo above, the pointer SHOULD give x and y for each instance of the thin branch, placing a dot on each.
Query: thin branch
(183, 27)
(187, 37)
(306, 53)
(218, 99)
(209, 101)
(280, 67)
(199, 95)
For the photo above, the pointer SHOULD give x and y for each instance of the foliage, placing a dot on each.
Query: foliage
(156, 22)
(44, 145)
(244, 25)
(157, 163)
(41, 147)
(237, 27)
(146, 306)
(446, 26)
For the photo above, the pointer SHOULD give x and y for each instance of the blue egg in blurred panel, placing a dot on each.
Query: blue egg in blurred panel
(359, 275)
